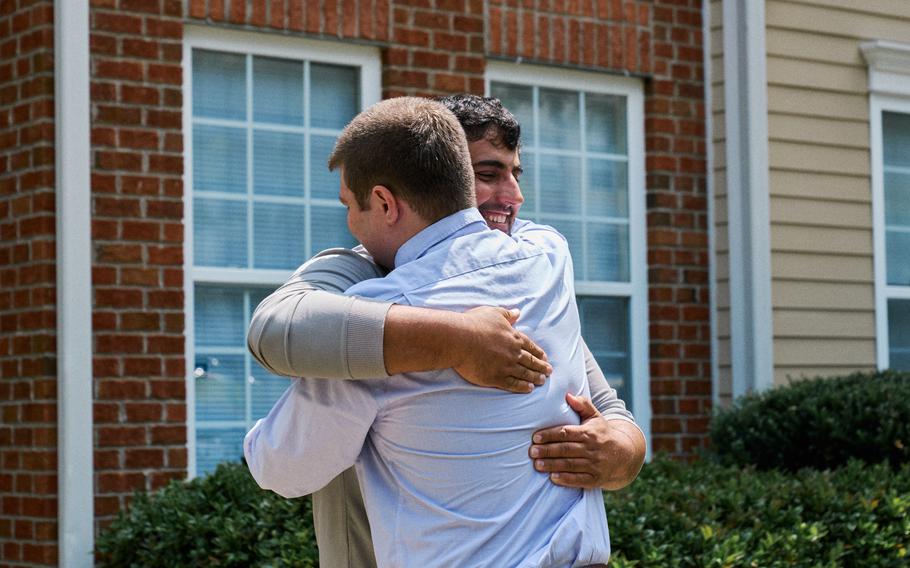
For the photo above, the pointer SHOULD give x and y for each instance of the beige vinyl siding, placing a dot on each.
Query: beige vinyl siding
(820, 187)
(724, 379)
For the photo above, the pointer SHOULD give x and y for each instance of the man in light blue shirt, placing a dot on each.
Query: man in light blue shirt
(443, 464)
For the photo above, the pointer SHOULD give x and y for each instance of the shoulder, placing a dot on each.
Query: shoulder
(354, 263)
(543, 236)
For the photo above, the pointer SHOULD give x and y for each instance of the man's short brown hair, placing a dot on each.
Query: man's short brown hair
(416, 148)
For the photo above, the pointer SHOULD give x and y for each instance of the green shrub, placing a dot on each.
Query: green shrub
(818, 423)
(223, 519)
(708, 515)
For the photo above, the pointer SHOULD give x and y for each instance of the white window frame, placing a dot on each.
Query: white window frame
(262, 44)
(637, 287)
(889, 90)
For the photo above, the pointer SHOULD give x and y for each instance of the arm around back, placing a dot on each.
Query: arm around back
(308, 328)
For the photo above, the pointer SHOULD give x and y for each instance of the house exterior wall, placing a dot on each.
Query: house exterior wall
(821, 228)
(428, 47)
(820, 182)
(28, 367)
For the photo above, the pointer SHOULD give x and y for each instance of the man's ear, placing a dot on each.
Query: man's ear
(382, 197)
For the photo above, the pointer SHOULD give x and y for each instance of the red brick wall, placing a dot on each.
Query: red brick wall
(137, 248)
(28, 369)
(678, 255)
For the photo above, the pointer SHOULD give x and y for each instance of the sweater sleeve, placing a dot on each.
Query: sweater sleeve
(308, 328)
(603, 395)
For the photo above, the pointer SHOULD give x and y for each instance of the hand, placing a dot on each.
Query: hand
(597, 453)
(495, 354)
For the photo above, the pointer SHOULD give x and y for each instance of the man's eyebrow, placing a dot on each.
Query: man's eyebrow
(493, 163)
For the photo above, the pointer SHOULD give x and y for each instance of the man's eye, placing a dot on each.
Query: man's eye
(485, 176)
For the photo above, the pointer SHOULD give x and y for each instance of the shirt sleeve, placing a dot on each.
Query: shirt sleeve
(604, 396)
(313, 433)
(308, 328)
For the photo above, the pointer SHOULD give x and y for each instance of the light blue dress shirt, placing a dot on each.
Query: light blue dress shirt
(444, 464)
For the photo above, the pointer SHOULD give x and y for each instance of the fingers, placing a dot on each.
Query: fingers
(582, 405)
(577, 480)
(532, 348)
(559, 434)
(563, 450)
(517, 385)
(512, 315)
(564, 465)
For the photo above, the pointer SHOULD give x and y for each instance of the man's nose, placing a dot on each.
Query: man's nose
(512, 192)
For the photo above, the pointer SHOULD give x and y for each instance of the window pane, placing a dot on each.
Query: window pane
(330, 228)
(560, 125)
(896, 134)
(277, 163)
(278, 235)
(560, 184)
(605, 328)
(897, 199)
(219, 158)
(899, 334)
(219, 232)
(323, 183)
(572, 231)
(221, 388)
(335, 95)
(897, 247)
(605, 123)
(278, 91)
(528, 184)
(214, 446)
(608, 252)
(266, 389)
(608, 193)
(519, 99)
(219, 85)
(219, 311)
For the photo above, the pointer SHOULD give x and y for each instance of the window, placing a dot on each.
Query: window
(895, 128)
(889, 127)
(261, 118)
(582, 155)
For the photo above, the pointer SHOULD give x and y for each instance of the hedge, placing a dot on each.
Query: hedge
(220, 520)
(819, 423)
(674, 515)
(705, 514)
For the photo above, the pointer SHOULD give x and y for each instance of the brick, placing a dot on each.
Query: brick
(120, 482)
(168, 434)
(144, 458)
(121, 435)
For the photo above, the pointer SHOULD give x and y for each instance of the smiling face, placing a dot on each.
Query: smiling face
(496, 173)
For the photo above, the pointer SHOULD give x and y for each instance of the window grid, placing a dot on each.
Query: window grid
(251, 126)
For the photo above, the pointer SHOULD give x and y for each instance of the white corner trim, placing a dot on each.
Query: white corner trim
(889, 66)
(76, 509)
(746, 122)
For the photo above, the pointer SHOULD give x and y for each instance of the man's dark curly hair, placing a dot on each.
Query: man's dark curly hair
(484, 117)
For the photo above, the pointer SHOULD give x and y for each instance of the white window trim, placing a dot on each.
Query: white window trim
(889, 90)
(364, 57)
(637, 287)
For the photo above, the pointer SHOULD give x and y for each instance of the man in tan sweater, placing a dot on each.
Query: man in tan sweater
(306, 328)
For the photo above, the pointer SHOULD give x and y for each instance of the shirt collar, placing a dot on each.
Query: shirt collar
(465, 221)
